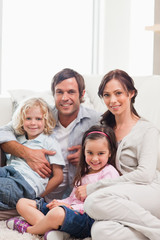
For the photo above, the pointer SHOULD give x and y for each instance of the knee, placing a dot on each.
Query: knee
(57, 214)
(91, 205)
(103, 229)
(24, 203)
(20, 204)
(97, 230)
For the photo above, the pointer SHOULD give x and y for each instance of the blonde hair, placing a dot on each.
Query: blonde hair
(20, 113)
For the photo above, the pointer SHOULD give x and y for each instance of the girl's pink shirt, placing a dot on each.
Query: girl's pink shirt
(107, 172)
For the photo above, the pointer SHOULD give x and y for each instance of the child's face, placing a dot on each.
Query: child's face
(97, 153)
(33, 123)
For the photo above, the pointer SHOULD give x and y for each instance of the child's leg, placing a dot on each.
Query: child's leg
(28, 210)
(52, 220)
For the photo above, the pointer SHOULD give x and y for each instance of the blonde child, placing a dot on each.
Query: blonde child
(33, 122)
(97, 161)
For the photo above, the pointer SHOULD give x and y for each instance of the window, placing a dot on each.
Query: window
(41, 37)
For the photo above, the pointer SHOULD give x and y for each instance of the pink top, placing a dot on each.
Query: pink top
(107, 172)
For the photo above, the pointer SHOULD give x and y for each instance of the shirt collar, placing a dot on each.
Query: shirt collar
(22, 139)
(83, 113)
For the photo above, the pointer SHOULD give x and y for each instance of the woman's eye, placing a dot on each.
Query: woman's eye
(119, 93)
(106, 95)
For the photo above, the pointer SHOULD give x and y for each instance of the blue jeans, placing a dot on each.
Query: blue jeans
(76, 224)
(41, 205)
(13, 187)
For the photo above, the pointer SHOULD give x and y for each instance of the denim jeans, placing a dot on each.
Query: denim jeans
(76, 224)
(13, 187)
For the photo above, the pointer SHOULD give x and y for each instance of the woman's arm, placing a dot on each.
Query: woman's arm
(147, 157)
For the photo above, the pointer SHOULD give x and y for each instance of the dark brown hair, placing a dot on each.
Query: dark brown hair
(128, 84)
(83, 167)
(67, 73)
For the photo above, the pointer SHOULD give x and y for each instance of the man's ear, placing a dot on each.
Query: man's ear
(83, 93)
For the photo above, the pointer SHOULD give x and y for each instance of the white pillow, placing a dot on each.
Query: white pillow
(18, 95)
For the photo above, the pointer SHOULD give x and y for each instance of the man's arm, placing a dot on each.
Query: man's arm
(35, 158)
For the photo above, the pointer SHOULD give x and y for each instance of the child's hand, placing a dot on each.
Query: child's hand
(81, 192)
(56, 203)
(52, 204)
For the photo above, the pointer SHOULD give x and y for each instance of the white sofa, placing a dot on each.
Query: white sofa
(147, 102)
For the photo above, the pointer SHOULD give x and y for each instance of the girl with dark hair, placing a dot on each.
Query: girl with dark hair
(97, 161)
(126, 207)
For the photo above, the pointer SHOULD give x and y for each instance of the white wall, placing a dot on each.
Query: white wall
(125, 43)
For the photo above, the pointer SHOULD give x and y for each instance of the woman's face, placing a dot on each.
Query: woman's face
(116, 98)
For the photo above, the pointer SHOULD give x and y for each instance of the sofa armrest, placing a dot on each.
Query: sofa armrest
(5, 109)
(2, 158)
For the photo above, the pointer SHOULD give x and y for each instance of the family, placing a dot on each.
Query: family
(76, 172)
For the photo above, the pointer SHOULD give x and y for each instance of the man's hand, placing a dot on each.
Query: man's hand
(36, 159)
(74, 157)
(81, 192)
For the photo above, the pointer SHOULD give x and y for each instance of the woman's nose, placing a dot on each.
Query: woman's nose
(113, 98)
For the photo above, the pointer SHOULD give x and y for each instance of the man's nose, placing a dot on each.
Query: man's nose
(65, 96)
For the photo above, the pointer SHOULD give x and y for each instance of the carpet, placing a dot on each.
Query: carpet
(7, 234)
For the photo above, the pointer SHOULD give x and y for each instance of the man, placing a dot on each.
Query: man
(72, 119)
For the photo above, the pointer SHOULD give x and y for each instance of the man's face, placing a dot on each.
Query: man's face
(67, 98)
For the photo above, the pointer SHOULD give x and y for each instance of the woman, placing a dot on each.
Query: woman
(127, 207)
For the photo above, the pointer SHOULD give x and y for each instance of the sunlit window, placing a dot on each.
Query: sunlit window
(41, 37)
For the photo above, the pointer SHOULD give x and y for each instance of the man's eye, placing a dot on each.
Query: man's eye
(59, 92)
(71, 92)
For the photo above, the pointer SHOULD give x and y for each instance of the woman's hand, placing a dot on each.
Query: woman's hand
(81, 192)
